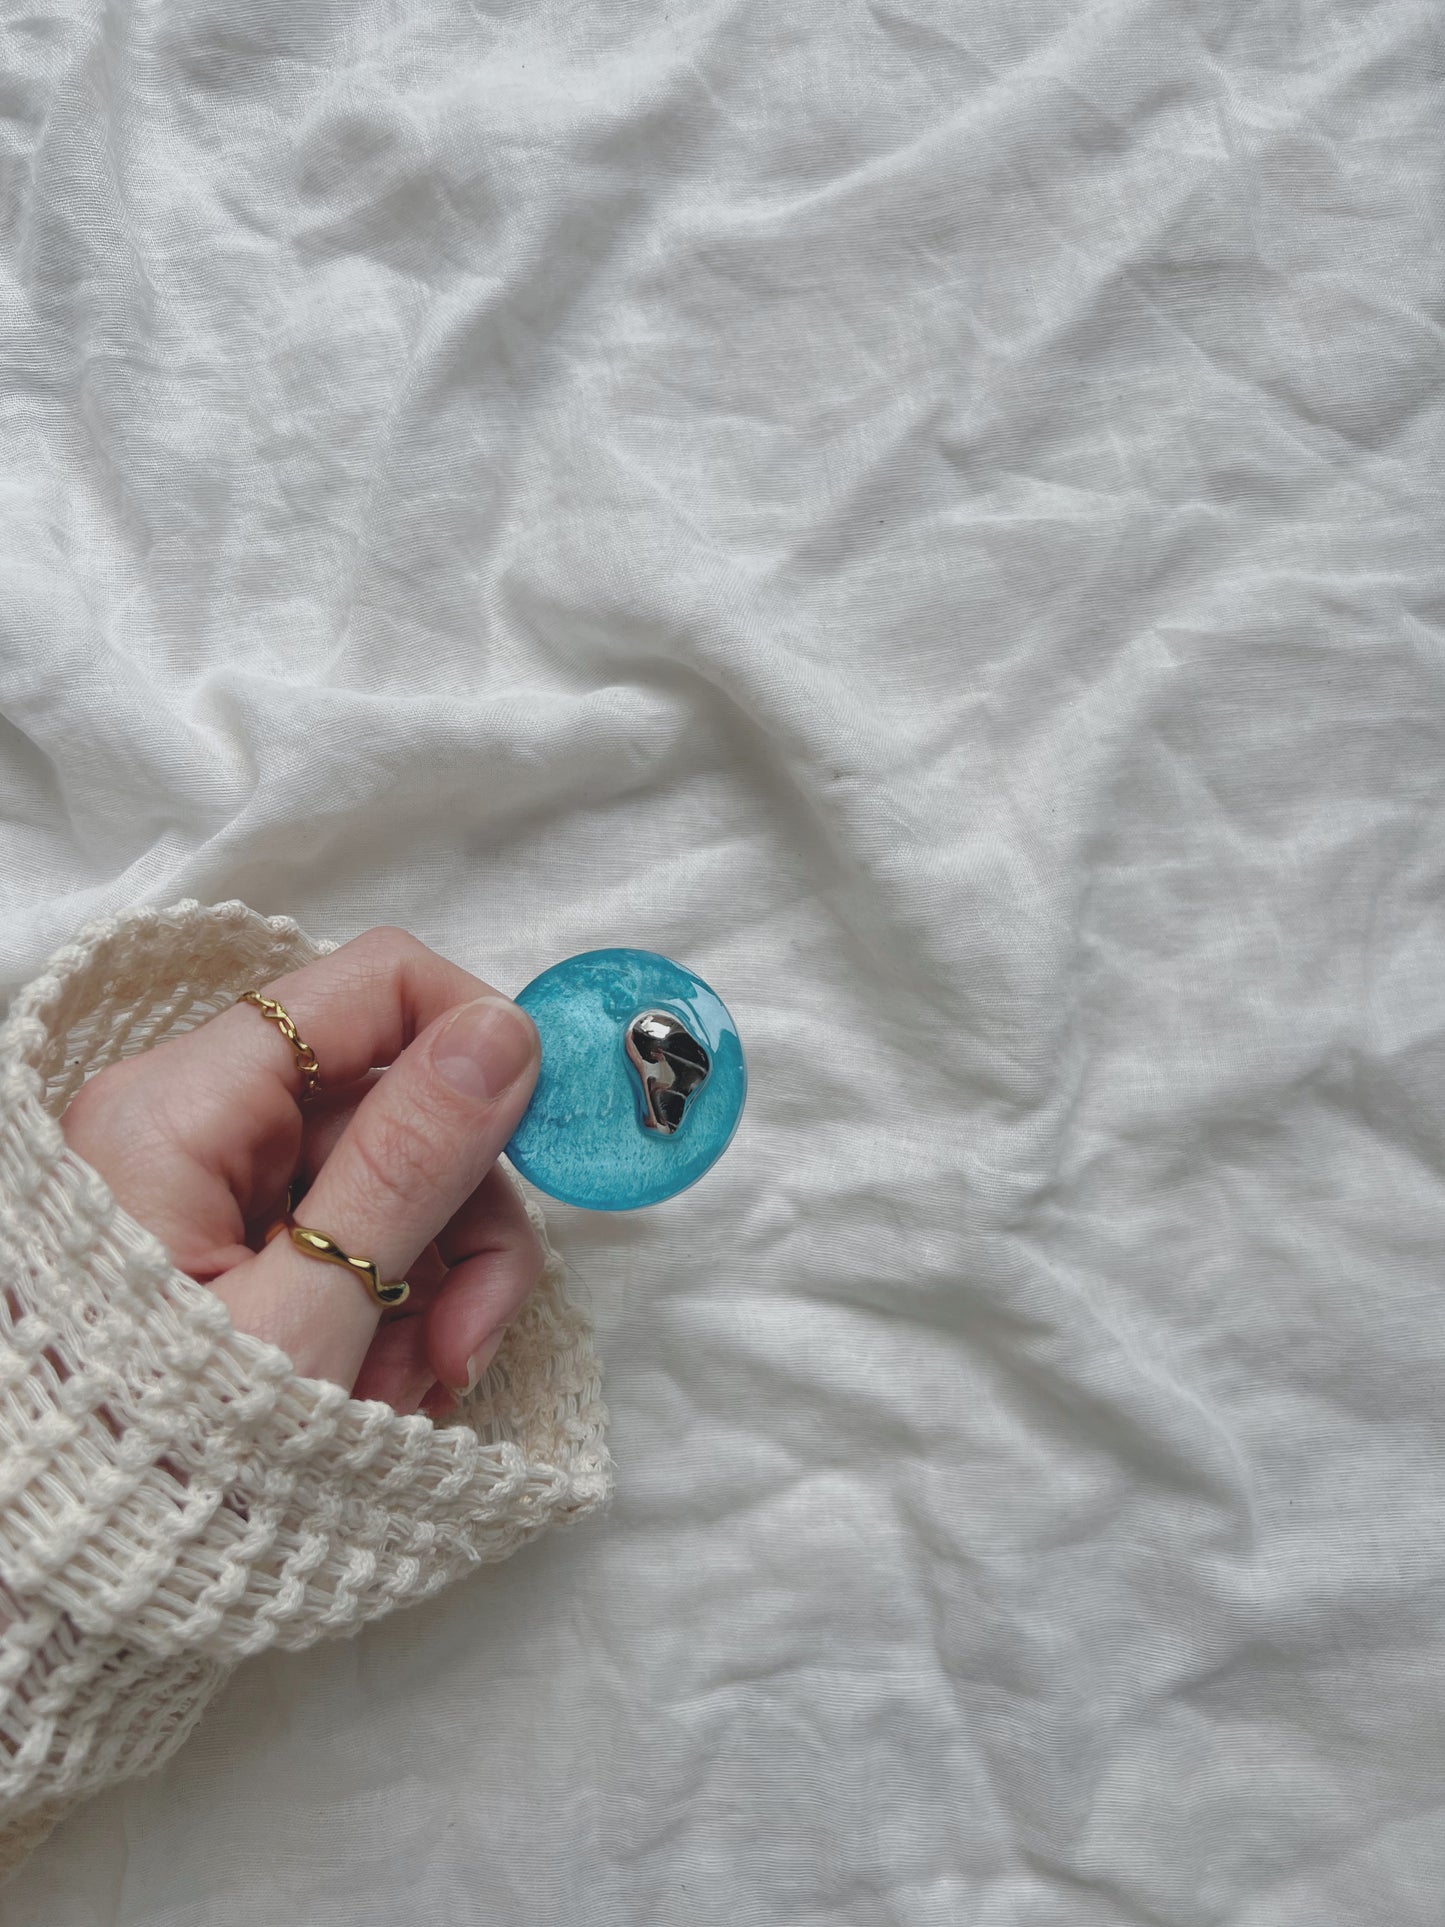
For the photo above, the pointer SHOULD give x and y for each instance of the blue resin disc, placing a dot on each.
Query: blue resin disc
(582, 1139)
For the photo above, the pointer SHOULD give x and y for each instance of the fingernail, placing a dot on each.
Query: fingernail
(479, 1361)
(484, 1047)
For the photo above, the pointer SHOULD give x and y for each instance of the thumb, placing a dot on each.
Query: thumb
(419, 1144)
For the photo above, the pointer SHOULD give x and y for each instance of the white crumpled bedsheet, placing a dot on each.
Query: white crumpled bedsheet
(930, 511)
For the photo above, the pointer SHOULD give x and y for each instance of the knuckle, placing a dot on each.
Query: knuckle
(99, 1101)
(390, 942)
(120, 1123)
(376, 955)
(398, 1157)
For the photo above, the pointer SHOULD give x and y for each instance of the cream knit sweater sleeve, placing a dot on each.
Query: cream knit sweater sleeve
(173, 1496)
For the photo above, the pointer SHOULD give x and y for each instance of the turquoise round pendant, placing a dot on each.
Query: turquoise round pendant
(642, 1081)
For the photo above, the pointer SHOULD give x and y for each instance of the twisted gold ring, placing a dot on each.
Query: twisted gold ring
(305, 1057)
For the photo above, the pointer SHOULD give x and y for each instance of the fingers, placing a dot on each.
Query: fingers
(396, 1370)
(364, 1003)
(461, 1317)
(360, 1006)
(420, 1142)
(388, 1158)
(323, 1123)
(223, 1096)
(496, 1261)
(446, 1335)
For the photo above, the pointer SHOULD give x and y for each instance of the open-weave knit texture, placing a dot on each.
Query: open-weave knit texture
(173, 1495)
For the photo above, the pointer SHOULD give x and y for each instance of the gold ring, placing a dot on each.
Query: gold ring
(305, 1057)
(316, 1244)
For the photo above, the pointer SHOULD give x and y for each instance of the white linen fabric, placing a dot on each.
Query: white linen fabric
(930, 512)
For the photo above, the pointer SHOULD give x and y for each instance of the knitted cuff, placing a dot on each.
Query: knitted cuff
(172, 1491)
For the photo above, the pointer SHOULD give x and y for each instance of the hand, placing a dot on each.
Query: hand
(200, 1138)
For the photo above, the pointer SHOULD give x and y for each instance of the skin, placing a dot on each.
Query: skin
(425, 1073)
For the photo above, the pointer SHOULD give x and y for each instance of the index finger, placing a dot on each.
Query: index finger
(358, 1008)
